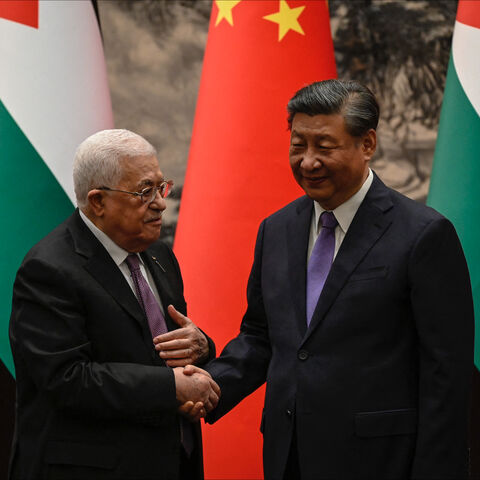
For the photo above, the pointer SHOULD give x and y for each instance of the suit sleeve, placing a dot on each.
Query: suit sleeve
(442, 305)
(242, 366)
(211, 350)
(48, 332)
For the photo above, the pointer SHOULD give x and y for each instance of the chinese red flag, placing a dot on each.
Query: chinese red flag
(258, 54)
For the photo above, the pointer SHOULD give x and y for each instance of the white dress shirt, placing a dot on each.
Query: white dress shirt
(344, 214)
(119, 256)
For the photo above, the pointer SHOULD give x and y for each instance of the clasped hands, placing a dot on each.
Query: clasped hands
(196, 392)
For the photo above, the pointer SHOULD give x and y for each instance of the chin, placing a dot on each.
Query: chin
(156, 236)
(147, 239)
(152, 238)
(319, 197)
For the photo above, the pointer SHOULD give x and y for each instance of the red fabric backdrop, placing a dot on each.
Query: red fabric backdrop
(238, 172)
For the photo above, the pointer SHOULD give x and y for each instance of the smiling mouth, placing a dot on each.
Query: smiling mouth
(315, 180)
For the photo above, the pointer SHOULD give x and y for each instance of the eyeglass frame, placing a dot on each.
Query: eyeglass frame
(166, 184)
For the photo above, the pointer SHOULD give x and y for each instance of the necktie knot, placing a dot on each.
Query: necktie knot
(133, 262)
(328, 220)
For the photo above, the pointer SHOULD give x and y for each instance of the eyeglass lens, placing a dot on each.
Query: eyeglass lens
(150, 193)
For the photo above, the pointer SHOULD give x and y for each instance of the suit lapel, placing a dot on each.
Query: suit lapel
(298, 231)
(370, 222)
(108, 275)
(101, 266)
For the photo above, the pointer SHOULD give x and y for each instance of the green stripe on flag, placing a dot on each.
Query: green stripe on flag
(455, 182)
(32, 204)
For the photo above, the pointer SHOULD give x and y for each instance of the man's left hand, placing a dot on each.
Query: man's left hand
(186, 345)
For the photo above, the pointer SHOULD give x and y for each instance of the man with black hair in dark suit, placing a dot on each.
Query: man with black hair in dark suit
(360, 315)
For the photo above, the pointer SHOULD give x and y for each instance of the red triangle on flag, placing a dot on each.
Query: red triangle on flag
(468, 13)
(21, 11)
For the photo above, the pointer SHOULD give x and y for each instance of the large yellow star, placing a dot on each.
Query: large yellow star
(225, 8)
(287, 19)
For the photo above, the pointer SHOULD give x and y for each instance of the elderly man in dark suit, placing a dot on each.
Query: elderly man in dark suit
(359, 317)
(98, 319)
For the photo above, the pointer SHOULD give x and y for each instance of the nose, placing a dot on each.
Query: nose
(311, 160)
(158, 203)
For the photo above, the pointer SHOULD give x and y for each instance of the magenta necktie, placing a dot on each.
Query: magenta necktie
(320, 261)
(146, 298)
(156, 322)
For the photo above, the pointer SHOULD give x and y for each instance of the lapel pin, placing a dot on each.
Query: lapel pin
(156, 261)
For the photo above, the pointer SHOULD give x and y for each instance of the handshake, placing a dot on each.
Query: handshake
(196, 392)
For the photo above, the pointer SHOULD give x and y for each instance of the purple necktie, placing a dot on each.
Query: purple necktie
(320, 261)
(146, 298)
(156, 322)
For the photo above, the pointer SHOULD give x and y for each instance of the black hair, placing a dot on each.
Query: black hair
(354, 101)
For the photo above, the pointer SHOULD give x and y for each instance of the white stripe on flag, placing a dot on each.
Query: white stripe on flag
(466, 58)
(54, 82)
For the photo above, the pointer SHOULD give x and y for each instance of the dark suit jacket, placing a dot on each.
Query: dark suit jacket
(377, 387)
(94, 400)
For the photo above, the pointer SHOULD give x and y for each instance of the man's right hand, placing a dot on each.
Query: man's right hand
(196, 386)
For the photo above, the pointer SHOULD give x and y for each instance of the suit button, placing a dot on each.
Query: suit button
(302, 355)
(289, 413)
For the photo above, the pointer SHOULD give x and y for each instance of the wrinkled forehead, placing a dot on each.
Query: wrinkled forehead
(304, 124)
(140, 170)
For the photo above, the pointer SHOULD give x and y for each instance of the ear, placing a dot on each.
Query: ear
(369, 144)
(96, 202)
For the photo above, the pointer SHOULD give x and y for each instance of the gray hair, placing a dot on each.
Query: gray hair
(97, 159)
(353, 100)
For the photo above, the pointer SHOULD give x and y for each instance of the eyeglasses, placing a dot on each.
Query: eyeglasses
(147, 195)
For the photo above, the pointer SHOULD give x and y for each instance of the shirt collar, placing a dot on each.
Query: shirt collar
(117, 253)
(345, 212)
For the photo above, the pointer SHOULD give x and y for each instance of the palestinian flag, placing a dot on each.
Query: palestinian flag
(455, 181)
(258, 54)
(53, 94)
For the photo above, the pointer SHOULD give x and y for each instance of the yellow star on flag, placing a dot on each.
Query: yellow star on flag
(287, 19)
(225, 8)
